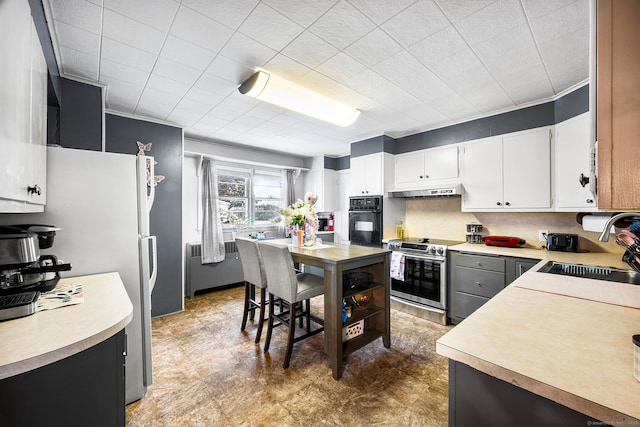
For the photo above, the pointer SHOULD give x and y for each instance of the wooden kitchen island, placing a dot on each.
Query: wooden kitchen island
(337, 259)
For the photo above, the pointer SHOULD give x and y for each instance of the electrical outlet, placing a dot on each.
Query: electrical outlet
(542, 235)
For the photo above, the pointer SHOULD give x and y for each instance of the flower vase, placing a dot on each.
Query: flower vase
(309, 235)
(300, 236)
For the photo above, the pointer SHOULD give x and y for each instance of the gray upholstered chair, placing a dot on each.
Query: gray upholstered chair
(294, 288)
(254, 278)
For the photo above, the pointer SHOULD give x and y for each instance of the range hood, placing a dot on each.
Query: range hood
(432, 191)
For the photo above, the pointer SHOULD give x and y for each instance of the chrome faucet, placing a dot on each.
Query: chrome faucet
(604, 236)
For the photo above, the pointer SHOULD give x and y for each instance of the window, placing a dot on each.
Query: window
(248, 195)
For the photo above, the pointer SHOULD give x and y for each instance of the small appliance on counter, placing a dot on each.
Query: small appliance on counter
(562, 242)
(22, 268)
(504, 241)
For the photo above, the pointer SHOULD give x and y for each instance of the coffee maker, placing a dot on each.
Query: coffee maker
(22, 268)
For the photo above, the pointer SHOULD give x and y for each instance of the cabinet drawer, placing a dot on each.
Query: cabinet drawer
(465, 304)
(478, 282)
(480, 261)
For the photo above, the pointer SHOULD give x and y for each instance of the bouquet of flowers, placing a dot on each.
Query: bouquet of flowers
(301, 212)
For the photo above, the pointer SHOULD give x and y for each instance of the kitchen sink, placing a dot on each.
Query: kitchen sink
(610, 274)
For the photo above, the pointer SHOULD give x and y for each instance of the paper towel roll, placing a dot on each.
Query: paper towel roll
(596, 223)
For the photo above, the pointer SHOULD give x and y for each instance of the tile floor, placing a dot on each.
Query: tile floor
(209, 373)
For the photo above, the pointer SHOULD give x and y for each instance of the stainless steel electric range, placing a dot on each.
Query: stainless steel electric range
(419, 274)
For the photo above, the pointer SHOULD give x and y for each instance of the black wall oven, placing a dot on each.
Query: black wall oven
(365, 220)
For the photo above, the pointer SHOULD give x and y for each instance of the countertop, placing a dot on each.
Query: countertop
(574, 351)
(48, 336)
(332, 253)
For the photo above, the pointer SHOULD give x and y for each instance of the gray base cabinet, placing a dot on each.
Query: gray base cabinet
(477, 399)
(85, 389)
(475, 278)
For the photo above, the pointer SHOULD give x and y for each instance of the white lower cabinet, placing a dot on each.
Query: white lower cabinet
(508, 173)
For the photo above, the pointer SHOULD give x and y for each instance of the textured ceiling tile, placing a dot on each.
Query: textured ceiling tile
(459, 9)
(487, 97)
(309, 49)
(125, 54)
(415, 23)
(228, 12)
(79, 64)
(215, 84)
(491, 21)
(229, 70)
(159, 16)
(373, 48)
(409, 74)
(176, 71)
(567, 60)
(563, 21)
(285, 67)
(200, 30)
(110, 69)
(340, 67)
(342, 25)
(132, 33)
(537, 8)
(440, 45)
(510, 54)
(264, 112)
(380, 11)
(530, 91)
(454, 107)
(461, 69)
(194, 107)
(183, 117)
(150, 109)
(78, 13)
(247, 51)
(303, 13)
(202, 97)
(151, 98)
(76, 38)
(164, 84)
(270, 27)
(186, 53)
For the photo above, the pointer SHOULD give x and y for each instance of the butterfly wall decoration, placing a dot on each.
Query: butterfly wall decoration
(157, 179)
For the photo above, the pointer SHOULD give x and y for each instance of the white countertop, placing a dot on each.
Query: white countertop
(48, 336)
(574, 351)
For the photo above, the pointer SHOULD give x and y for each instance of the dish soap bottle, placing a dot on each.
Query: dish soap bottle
(400, 230)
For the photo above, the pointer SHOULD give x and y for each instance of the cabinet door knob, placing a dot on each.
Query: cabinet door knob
(507, 203)
(34, 190)
(499, 203)
(421, 177)
(426, 176)
(589, 200)
(583, 180)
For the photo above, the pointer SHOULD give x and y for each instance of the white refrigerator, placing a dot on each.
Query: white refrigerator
(102, 202)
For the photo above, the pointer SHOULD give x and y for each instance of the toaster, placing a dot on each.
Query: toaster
(562, 242)
(506, 241)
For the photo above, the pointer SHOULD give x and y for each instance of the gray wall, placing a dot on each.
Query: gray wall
(166, 215)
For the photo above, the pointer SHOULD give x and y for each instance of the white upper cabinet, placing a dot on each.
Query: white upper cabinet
(426, 166)
(508, 173)
(574, 164)
(23, 103)
(372, 175)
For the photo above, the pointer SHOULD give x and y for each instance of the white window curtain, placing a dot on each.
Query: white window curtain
(291, 191)
(212, 238)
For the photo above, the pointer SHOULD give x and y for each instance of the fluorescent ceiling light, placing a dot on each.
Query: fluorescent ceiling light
(278, 91)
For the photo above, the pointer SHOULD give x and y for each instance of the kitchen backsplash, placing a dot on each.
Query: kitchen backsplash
(442, 218)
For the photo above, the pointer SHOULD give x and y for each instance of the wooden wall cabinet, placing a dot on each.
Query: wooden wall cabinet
(618, 104)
